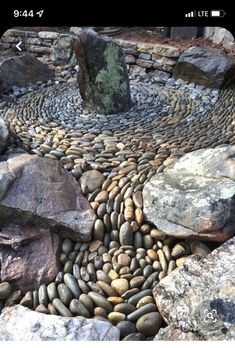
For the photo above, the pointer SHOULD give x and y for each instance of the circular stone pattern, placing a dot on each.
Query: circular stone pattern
(113, 156)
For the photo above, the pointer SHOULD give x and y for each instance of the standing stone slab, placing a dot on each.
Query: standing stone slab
(21, 324)
(103, 78)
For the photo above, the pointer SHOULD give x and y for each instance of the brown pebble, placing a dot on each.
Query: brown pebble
(102, 197)
(116, 317)
(120, 285)
(115, 300)
(113, 275)
(100, 312)
(152, 254)
(137, 281)
(124, 260)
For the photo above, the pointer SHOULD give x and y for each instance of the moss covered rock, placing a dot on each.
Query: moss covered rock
(103, 77)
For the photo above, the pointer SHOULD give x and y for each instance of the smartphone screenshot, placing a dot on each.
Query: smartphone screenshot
(117, 177)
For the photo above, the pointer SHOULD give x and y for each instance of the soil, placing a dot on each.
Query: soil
(156, 36)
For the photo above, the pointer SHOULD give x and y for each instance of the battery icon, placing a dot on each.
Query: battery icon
(217, 13)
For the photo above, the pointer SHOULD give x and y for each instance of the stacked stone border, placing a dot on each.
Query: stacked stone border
(148, 57)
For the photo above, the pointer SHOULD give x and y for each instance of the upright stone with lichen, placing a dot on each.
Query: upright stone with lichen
(103, 77)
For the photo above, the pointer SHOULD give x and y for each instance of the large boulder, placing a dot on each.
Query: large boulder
(29, 256)
(41, 192)
(21, 324)
(198, 297)
(21, 69)
(63, 50)
(4, 135)
(205, 66)
(103, 77)
(195, 196)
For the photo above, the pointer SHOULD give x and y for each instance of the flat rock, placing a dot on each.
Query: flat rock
(22, 324)
(21, 69)
(29, 260)
(103, 77)
(199, 295)
(4, 135)
(91, 180)
(195, 196)
(205, 66)
(40, 191)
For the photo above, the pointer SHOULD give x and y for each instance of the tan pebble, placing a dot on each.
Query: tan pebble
(94, 205)
(129, 214)
(124, 260)
(106, 288)
(157, 234)
(169, 161)
(143, 301)
(116, 317)
(135, 226)
(171, 266)
(157, 266)
(152, 254)
(100, 312)
(128, 169)
(102, 197)
(120, 285)
(114, 192)
(167, 252)
(128, 202)
(181, 260)
(118, 177)
(137, 199)
(179, 250)
(115, 300)
(112, 185)
(139, 216)
(113, 275)
(107, 257)
(94, 246)
(162, 275)
(162, 260)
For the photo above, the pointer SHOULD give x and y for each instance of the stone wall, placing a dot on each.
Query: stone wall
(32, 41)
(150, 56)
(146, 56)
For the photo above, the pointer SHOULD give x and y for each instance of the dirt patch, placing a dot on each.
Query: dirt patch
(156, 36)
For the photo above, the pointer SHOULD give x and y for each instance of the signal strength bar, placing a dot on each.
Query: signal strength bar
(190, 14)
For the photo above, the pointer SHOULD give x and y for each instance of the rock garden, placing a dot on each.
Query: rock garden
(117, 190)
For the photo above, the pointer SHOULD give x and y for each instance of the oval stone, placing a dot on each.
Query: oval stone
(126, 234)
(126, 328)
(77, 308)
(120, 285)
(60, 307)
(72, 284)
(64, 293)
(100, 301)
(149, 324)
(116, 317)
